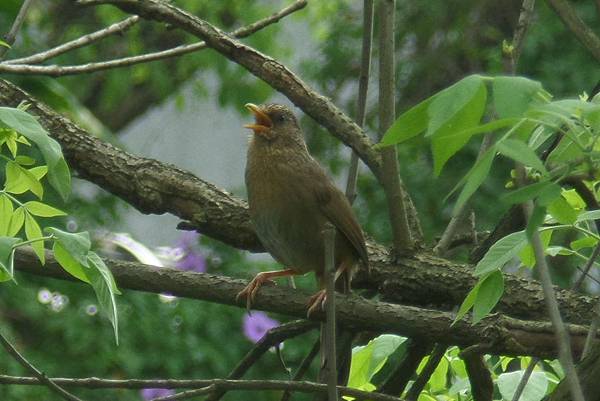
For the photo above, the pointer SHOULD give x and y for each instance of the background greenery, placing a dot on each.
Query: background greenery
(438, 43)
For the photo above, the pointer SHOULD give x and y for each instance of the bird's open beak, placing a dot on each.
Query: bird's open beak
(262, 123)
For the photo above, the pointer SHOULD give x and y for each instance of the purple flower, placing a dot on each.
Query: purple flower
(151, 393)
(187, 240)
(257, 324)
(192, 261)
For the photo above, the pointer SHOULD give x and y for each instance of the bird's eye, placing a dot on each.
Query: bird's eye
(280, 118)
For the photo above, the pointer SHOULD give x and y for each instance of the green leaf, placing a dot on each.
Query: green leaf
(520, 152)
(513, 95)
(29, 127)
(528, 192)
(574, 199)
(501, 252)
(468, 303)
(3, 43)
(527, 255)
(454, 110)
(33, 231)
(568, 149)
(562, 211)
(76, 244)
(104, 285)
(483, 128)
(369, 359)
(559, 250)
(42, 210)
(534, 390)
(24, 160)
(585, 242)
(590, 215)
(6, 211)
(474, 179)
(20, 180)
(69, 263)
(408, 125)
(489, 293)
(16, 222)
(6, 257)
(438, 380)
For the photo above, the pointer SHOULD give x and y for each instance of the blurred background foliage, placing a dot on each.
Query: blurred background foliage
(438, 42)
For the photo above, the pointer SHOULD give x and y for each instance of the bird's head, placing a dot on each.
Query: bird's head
(274, 123)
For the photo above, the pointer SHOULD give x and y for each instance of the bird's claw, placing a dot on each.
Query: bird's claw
(316, 302)
(250, 291)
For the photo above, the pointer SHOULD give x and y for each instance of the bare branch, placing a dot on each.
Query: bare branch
(40, 377)
(363, 88)
(272, 338)
(11, 66)
(266, 68)
(396, 382)
(419, 384)
(303, 368)
(390, 180)
(118, 27)
(204, 386)
(582, 32)
(11, 35)
(482, 386)
(525, 379)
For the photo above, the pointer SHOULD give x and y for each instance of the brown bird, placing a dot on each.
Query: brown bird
(291, 198)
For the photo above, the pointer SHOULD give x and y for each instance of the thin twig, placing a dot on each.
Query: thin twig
(589, 340)
(561, 333)
(525, 17)
(434, 359)
(363, 88)
(587, 267)
(11, 36)
(40, 377)
(396, 382)
(582, 32)
(118, 27)
(328, 349)
(391, 180)
(204, 386)
(57, 70)
(303, 368)
(270, 339)
(525, 378)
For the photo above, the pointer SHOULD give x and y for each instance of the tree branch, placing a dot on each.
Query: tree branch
(396, 382)
(40, 377)
(118, 27)
(321, 109)
(204, 386)
(18, 66)
(496, 334)
(582, 32)
(11, 35)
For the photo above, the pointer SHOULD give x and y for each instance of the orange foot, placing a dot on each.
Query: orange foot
(316, 302)
(249, 292)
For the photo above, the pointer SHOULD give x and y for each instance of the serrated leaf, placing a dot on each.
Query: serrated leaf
(32, 232)
(69, 263)
(408, 125)
(454, 110)
(76, 244)
(16, 222)
(490, 292)
(367, 360)
(6, 211)
(42, 210)
(520, 152)
(562, 211)
(6, 257)
(534, 390)
(20, 180)
(513, 95)
(104, 285)
(501, 252)
(474, 179)
(29, 127)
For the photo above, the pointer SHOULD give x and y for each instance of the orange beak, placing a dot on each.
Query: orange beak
(262, 123)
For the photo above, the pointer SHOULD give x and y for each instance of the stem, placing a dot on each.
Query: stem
(16, 26)
(30, 241)
(329, 347)
(390, 176)
(525, 378)
(363, 87)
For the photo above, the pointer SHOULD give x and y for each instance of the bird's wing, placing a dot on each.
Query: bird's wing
(334, 205)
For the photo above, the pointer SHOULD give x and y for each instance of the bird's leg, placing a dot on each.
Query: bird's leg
(252, 288)
(317, 301)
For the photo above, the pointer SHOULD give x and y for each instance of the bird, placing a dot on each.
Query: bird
(291, 198)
